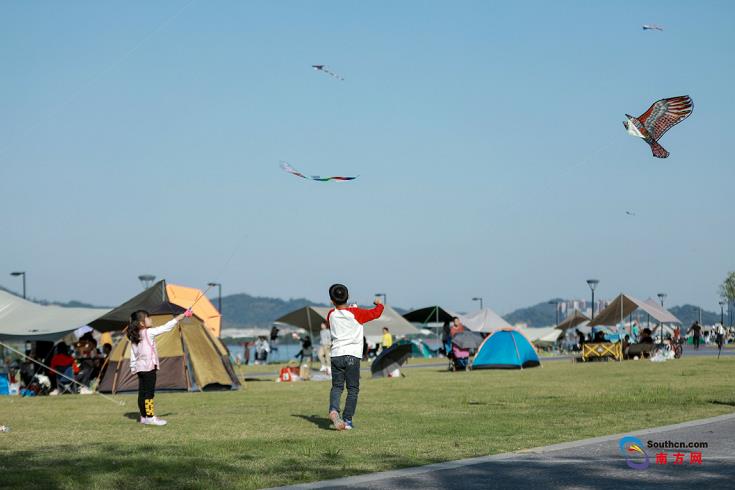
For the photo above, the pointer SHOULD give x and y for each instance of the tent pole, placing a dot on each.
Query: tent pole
(517, 353)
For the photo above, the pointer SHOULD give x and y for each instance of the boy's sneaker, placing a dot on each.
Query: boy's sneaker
(348, 425)
(339, 424)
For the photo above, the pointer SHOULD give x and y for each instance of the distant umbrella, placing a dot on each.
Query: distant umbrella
(467, 340)
(390, 359)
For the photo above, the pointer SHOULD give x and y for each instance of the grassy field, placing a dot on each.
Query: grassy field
(270, 434)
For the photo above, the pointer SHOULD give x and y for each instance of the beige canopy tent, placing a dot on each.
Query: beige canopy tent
(624, 305)
(575, 319)
(23, 320)
(311, 317)
(484, 320)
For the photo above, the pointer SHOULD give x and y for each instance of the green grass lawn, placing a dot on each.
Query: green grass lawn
(271, 434)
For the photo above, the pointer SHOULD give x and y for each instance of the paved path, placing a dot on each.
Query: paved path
(592, 463)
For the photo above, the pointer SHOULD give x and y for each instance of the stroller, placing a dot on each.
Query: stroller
(459, 359)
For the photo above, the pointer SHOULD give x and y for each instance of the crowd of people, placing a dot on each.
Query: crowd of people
(74, 368)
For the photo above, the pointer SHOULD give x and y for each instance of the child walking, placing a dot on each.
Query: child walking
(345, 326)
(144, 359)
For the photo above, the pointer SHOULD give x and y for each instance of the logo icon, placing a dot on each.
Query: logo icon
(632, 449)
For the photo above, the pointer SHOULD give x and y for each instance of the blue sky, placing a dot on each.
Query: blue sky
(142, 137)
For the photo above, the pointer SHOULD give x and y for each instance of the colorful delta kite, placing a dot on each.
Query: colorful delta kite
(663, 115)
(652, 27)
(325, 69)
(288, 168)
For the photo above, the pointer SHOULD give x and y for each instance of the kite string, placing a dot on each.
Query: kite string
(121, 403)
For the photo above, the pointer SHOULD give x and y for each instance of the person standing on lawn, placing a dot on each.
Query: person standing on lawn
(144, 360)
(346, 327)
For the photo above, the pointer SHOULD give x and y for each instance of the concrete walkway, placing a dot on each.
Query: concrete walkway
(591, 463)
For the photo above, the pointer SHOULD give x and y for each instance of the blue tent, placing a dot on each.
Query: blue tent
(506, 349)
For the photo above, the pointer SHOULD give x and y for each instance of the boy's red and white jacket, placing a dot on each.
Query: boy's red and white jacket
(345, 325)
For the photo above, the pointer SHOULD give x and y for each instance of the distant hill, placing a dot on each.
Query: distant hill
(689, 313)
(69, 304)
(243, 310)
(538, 315)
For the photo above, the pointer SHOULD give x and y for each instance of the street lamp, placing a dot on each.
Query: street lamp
(592, 283)
(146, 280)
(219, 294)
(556, 307)
(661, 296)
(478, 299)
(16, 274)
(722, 313)
(385, 297)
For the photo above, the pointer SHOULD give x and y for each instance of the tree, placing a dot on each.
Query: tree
(727, 288)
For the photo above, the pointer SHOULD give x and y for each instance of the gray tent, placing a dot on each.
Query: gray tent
(575, 319)
(23, 320)
(624, 305)
(484, 320)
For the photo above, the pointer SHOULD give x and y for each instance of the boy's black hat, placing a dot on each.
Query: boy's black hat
(338, 294)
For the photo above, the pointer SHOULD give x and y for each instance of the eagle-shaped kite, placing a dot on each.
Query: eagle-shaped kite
(659, 118)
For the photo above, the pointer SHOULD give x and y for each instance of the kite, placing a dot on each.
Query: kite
(630, 213)
(663, 115)
(288, 168)
(652, 27)
(325, 69)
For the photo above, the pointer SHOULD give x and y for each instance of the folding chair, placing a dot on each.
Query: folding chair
(64, 384)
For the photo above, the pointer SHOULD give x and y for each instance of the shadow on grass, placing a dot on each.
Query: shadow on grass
(321, 422)
(723, 402)
(136, 415)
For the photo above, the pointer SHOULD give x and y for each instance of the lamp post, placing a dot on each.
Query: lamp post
(661, 297)
(385, 297)
(722, 313)
(146, 280)
(478, 299)
(219, 294)
(556, 307)
(16, 274)
(592, 283)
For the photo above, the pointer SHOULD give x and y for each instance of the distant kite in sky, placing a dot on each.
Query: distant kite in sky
(652, 27)
(663, 115)
(325, 69)
(630, 213)
(288, 168)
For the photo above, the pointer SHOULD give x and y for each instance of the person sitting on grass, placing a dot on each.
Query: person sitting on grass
(306, 350)
(346, 327)
(61, 361)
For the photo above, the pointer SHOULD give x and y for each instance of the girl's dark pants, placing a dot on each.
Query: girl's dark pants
(345, 369)
(146, 390)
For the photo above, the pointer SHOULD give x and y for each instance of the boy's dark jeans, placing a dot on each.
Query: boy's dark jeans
(345, 369)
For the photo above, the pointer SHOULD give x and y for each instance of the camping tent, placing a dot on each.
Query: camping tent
(23, 320)
(191, 356)
(162, 299)
(575, 319)
(484, 320)
(541, 336)
(506, 349)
